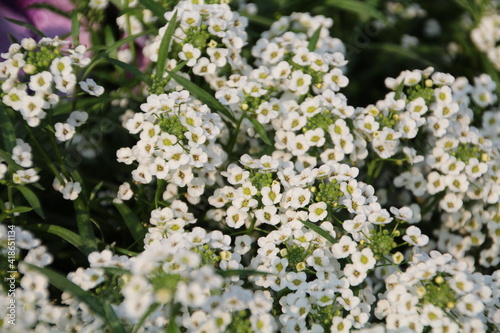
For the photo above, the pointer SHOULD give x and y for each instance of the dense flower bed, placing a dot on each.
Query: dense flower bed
(196, 174)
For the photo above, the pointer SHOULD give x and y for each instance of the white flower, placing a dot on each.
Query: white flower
(64, 131)
(317, 211)
(204, 67)
(77, 118)
(90, 87)
(414, 237)
(190, 54)
(470, 305)
(235, 218)
(299, 82)
(363, 260)
(41, 81)
(124, 192)
(71, 190)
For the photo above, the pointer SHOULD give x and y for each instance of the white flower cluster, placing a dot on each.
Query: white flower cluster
(486, 37)
(32, 297)
(437, 292)
(34, 76)
(208, 37)
(177, 266)
(177, 142)
(23, 173)
(461, 168)
(272, 192)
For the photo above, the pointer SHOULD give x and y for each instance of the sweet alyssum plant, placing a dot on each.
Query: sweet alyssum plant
(263, 203)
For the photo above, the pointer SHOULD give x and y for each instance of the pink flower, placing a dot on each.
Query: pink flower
(50, 23)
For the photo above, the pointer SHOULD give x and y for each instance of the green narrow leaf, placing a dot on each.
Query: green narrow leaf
(241, 272)
(314, 39)
(108, 49)
(47, 6)
(85, 226)
(7, 157)
(132, 221)
(165, 46)
(75, 27)
(68, 235)
(95, 190)
(357, 7)
(115, 270)
(172, 325)
(156, 9)
(26, 25)
(323, 233)
(59, 281)
(151, 309)
(112, 318)
(399, 90)
(21, 209)
(127, 67)
(32, 200)
(8, 133)
(260, 130)
(202, 95)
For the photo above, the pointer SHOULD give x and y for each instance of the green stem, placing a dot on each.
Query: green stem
(232, 140)
(11, 201)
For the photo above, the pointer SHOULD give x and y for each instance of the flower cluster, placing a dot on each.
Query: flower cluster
(461, 170)
(35, 75)
(177, 142)
(486, 37)
(437, 292)
(32, 297)
(296, 212)
(207, 37)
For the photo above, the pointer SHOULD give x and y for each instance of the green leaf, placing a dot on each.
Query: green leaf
(156, 9)
(32, 200)
(85, 226)
(8, 133)
(95, 190)
(165, 46)
(127, 67)
(115, 270)
(202, 95)
(172, 325)
(132, 221)
(67, 235)
(241, 272)
(47, 6)
(151, 309)
(26, 25)
(20, 209)
(357, 7)
(7, 157)
(322, 232)
(75, 27)
(313, 41)
(108, 49)
(113, 320)
(105, 311)
(260, 130)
